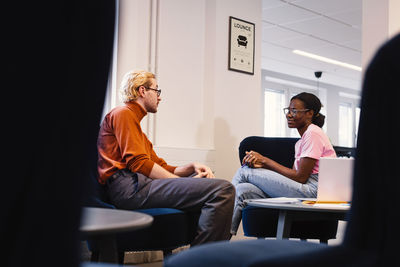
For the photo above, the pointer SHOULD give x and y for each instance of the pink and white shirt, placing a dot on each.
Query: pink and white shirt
(313, 144)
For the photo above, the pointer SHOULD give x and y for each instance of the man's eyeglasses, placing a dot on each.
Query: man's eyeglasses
(157, 90)
(293, 111)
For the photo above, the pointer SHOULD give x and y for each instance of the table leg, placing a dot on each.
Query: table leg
(107, 247)
(284, 225)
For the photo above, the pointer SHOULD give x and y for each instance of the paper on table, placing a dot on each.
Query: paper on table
(277, 200)
(333, 205)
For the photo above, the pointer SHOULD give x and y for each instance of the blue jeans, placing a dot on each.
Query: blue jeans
(262, 183)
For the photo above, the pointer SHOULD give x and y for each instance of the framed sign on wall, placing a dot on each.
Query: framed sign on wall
(241, 45)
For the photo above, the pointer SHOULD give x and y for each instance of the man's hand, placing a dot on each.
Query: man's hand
(202, 171)
(159, 172)
(199, 170)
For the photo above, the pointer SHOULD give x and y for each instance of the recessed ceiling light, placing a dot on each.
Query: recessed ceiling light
(327, 60)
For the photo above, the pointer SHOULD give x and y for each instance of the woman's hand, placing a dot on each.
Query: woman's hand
(254, 159)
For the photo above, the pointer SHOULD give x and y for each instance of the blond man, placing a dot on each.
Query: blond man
(135, 177)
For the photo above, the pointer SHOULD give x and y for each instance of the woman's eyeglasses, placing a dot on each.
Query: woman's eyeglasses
(293, 111)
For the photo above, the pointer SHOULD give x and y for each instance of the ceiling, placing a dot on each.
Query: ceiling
(328, 28)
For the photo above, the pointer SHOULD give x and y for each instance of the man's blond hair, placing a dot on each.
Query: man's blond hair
(131, 83)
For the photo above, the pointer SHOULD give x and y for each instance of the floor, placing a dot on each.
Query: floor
(155, 258)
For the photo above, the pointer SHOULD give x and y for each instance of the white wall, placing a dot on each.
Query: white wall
(238, 98)
(206, 110)
(181, 69)
(381, 21)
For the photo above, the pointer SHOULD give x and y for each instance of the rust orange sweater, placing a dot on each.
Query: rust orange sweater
(123, 145)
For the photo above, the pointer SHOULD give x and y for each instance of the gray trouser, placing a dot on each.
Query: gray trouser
(214, 198)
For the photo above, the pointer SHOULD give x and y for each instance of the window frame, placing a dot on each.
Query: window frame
(354, 103)
(288, 93)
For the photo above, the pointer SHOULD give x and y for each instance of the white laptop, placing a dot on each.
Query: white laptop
(335, 179)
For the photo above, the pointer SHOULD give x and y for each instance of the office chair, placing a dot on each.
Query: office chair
(372, 233)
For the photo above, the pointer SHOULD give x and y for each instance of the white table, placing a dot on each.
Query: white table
(101, 225)
(289, 212)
